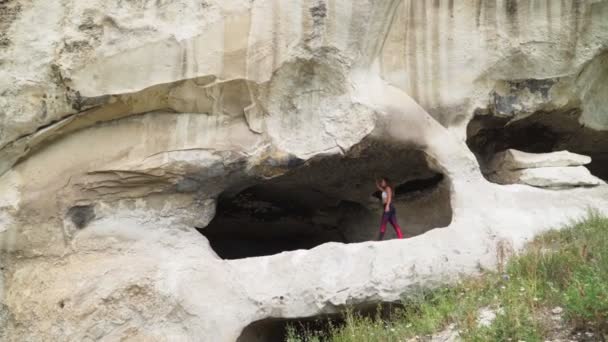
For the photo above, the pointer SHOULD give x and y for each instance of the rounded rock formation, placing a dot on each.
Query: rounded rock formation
(143, 143)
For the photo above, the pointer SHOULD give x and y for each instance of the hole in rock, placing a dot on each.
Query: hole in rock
(541, 132)
(81, 215)
(330, 199)
(279, 329)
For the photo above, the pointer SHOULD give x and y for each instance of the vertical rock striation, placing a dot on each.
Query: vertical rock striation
(124, 123)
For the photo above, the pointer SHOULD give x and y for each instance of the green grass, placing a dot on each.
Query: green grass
(565, 268)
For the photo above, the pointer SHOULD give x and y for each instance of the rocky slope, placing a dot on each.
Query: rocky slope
(123, 124)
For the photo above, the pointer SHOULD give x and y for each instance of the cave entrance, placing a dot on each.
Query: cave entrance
(277, 329)
(541, 132)
(270, 218)
(330, 199)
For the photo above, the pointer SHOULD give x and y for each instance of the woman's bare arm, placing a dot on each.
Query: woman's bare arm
(378, 186)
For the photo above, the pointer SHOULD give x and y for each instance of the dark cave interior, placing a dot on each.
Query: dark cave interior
(541, 132)
(329, 199)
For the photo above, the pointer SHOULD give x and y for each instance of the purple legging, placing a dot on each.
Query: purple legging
(390, 216)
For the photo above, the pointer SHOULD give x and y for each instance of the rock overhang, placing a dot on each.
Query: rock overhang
(151, 148)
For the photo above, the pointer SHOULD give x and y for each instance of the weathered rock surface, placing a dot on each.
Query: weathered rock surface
(516, 160)
(124, 125)
(556, 170)
(549, 177)
(527, 56)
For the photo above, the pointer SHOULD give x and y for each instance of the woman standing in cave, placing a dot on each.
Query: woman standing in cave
(389, 213)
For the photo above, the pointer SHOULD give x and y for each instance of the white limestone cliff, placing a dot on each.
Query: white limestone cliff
(123, 124)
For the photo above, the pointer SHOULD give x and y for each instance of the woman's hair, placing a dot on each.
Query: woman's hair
(386, 180)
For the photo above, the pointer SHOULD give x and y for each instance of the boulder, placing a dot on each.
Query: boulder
(549, 177)
(511, 160)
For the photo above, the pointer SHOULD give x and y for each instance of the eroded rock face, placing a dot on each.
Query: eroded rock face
(122, 124)
(512, 160)
(556, 170)
(553, 177)
(502, 57)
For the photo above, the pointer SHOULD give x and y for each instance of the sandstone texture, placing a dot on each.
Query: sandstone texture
(517, 160)
(548, 177)
(560, 169)
(189, 170)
